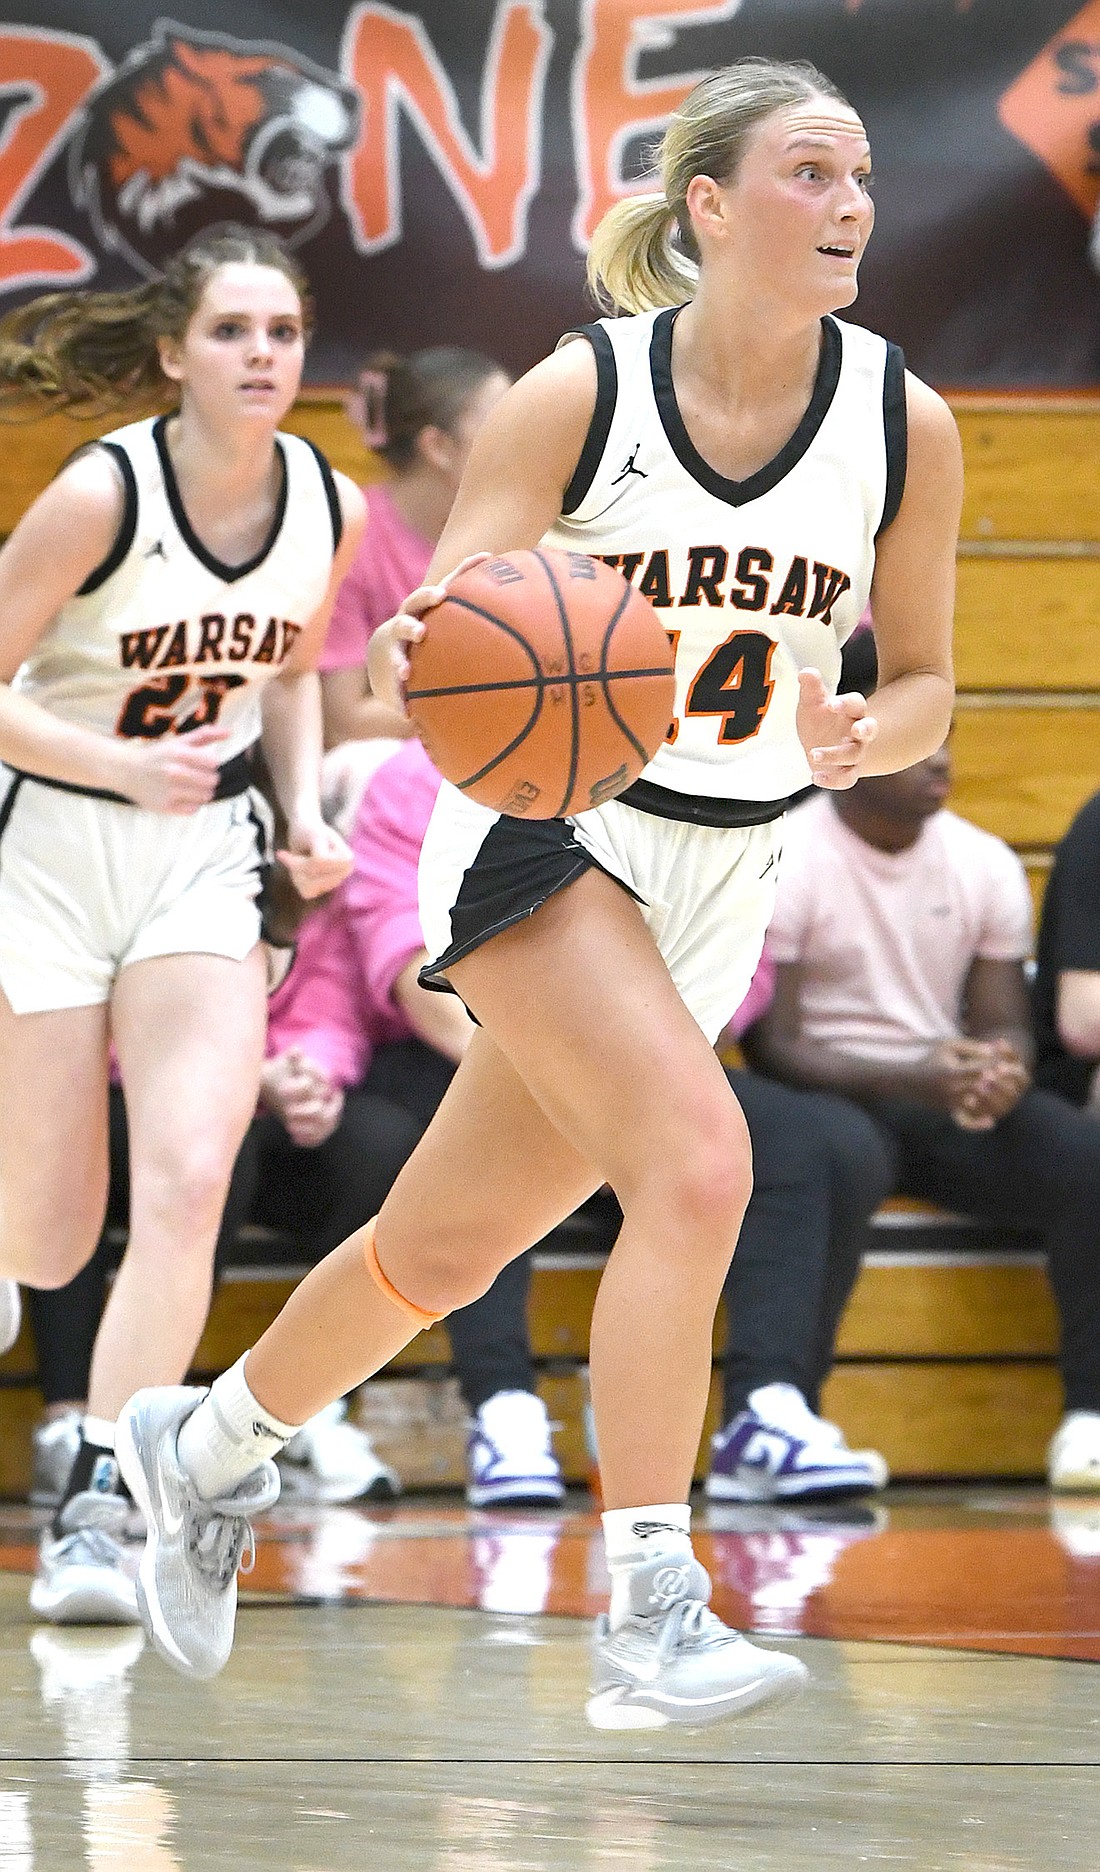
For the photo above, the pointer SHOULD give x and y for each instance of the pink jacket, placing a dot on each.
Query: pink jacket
(337, 1002)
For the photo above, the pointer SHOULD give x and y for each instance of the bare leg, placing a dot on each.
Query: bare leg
(189, 1031)
(337, 1327)
(53, 1141)
(604, 1042)
(594, 1071)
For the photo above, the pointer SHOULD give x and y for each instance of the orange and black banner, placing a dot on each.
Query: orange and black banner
(440, 167)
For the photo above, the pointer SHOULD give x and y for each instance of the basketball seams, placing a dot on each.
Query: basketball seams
(605, 675)
(574, 705)
(516, 741)
(473, 689)
(535, 682)
(465, 604)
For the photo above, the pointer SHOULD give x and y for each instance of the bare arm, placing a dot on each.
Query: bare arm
(522, 461)
(913, 593)
(317, 857)
(62, 538)
(913, 598)
(292, 700)
(440, 1020)
(353, 713)
(996, 1005)
(777, 1045)
(1077, 1012)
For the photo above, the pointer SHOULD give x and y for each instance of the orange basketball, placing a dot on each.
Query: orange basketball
(543, 683)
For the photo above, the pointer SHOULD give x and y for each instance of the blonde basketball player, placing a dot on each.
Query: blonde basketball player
(162, 605)
(741, 455)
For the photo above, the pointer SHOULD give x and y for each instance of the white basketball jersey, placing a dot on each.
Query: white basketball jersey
(754, 579)
(163, 637)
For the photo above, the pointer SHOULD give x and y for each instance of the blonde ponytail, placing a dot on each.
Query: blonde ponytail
(632, 264)
(644, 253)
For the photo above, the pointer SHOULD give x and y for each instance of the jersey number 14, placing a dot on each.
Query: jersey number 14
(735, 684)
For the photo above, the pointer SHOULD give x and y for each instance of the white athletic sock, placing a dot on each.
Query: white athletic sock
(633, 1536)
(229, 1435)
(98, 1431)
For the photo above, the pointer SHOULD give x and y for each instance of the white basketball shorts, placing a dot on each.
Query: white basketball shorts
(89, 885)
(705, 892)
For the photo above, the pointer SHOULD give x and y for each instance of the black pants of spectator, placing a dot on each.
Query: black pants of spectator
(320, 1195)
(489, 1338)
(820, 1170)
(1039, 1169)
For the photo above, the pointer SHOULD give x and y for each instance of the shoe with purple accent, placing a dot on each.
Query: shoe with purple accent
(509, 1459)
(776, 1449)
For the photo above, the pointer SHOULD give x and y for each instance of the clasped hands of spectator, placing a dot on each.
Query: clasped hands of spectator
(302, 1096)
(977, 1081)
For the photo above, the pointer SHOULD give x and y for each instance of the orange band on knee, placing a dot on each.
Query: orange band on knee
(419, 1315)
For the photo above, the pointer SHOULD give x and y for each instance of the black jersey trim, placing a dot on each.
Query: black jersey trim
(607, 390)
(233, 779)
(896, 428)
(124, 538)
(10, 799)
(230, 574)
(738, 493)
(332, 495)
(700, 809)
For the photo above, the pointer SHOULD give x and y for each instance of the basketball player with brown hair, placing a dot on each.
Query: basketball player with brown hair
(742, 455)
(162, 607)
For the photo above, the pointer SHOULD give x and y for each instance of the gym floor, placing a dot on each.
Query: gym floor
(408, 1685)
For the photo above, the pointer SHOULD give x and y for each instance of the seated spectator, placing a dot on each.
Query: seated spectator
(900, 936)
(420, 414)
(1066, 993)
(820, 1171)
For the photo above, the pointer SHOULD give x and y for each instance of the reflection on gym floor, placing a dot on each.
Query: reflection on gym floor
(407, 1687)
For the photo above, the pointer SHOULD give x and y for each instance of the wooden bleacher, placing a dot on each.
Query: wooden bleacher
(946, 1357)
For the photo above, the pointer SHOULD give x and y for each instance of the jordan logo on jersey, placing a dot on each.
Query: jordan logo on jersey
(806, 589)
(628, 467)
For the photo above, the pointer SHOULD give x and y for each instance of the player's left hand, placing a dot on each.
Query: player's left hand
(835, 731)
(317, 858)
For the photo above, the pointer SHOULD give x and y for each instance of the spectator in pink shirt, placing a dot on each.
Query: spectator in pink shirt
(420, 414)
(900, 936)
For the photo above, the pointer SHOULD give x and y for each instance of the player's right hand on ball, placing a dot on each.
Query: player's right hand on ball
(387, 652)
(176, 774)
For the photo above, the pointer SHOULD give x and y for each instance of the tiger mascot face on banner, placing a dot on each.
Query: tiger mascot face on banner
(197, 127)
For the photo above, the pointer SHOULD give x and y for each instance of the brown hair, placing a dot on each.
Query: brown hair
(400, 396)
(94, 351)
(644, 253)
